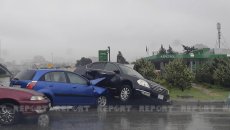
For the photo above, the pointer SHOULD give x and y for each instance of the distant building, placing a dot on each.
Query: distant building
(193, 60)
(221, 51)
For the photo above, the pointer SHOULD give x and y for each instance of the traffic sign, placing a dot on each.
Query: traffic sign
(103, 55)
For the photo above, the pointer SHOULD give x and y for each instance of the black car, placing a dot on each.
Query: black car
(123, 81)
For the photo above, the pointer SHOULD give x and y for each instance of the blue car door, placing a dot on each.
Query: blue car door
(83, 92)
(56, 83)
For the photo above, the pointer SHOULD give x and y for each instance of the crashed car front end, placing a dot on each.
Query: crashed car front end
(152, 90)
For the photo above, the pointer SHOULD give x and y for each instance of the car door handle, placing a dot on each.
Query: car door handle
(51, 86)
(74, 87)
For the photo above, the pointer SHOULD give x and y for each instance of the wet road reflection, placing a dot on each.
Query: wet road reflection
(133, 120)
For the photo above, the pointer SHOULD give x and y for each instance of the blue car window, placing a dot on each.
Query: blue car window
(48, 77)
(76, 79)
(55, 77)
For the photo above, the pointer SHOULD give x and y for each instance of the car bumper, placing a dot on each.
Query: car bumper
(34, 107)
(153, 95)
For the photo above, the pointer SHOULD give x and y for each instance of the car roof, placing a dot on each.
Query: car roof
(107, 62)
(48, 70)
(41, 72)
(112, 63)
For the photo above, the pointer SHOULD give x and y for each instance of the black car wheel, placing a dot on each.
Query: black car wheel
(102, 101)
(8, 114)
(125, 93)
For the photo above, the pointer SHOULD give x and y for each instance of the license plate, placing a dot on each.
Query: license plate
(160, 97)
(17, 86)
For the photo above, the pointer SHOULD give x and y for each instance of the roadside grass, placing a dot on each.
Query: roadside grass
(201, 91)
(176, 93)
(215, 94)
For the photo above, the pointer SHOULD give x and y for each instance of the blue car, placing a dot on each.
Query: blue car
(62, 87)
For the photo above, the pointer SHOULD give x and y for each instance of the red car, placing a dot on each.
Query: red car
(15, 102)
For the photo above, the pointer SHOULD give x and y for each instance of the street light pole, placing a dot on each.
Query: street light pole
(109, 52)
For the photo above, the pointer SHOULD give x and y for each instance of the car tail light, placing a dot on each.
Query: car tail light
(31, 85)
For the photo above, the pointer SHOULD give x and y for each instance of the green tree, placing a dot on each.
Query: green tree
(121, 59)
(145, 68)
(204, 72)
(170, 50)
(222, 73)
(214, 71)
(178, 74)
(162, 51)
(83, 61)
(188, 49)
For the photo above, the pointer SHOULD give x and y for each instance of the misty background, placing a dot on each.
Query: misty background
(71, 29)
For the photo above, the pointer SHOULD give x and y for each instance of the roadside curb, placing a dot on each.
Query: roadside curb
(200, 102)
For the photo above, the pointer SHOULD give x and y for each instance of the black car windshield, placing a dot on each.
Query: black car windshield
(129, 71)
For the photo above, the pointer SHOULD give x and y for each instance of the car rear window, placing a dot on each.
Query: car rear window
(25, 75)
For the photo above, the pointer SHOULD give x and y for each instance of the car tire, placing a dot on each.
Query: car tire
(125, 93)
(8, 114)
(43, 120)
(102, 101)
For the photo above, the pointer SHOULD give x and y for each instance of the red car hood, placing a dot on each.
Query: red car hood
(2, 88)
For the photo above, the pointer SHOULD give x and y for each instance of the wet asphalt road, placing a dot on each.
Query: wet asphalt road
(132, 120)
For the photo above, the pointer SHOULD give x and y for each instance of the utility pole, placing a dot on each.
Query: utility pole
(109, 52)
(219, 33)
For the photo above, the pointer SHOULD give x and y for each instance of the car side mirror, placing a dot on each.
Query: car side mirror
(117, 71)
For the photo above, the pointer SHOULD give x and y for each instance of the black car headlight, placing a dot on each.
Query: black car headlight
(143, 83)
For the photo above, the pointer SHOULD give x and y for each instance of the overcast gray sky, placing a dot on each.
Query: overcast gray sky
(76, 28)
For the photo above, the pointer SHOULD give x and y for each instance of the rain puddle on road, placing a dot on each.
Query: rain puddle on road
(132, 120)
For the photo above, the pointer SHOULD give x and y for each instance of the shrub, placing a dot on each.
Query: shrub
(178, 74)
(145, 68)
(204, 73)
(222, 74)
(215, 71)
